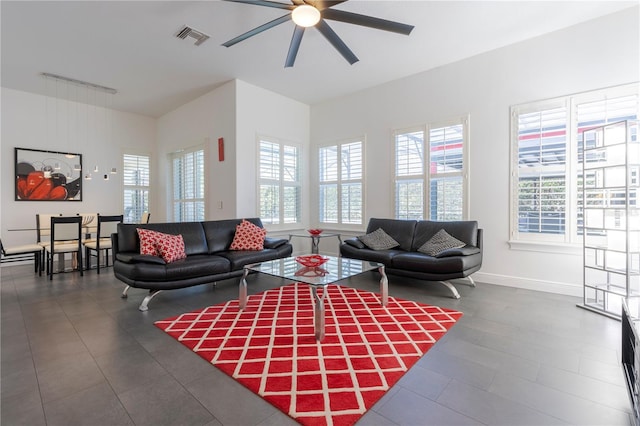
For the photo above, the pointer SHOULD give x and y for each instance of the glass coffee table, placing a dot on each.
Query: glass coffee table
(334, 270)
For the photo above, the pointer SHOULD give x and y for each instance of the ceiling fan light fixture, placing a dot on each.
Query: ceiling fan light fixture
(305, 15)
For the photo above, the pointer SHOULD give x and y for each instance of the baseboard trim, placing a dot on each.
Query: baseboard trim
(567, 289)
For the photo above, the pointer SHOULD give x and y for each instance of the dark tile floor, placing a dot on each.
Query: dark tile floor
(75, 353)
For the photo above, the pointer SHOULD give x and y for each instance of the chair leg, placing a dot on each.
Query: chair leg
(98, 261)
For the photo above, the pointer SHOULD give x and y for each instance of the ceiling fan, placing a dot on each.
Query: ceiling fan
(313, 13)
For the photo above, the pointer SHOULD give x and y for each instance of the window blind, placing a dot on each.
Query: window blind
(433, 186)
(542, 144)
(135, 178)
(547, 173)
(279, 183)
(341, 171)
(188, 186)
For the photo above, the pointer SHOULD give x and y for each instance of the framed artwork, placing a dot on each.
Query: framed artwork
(47, 175)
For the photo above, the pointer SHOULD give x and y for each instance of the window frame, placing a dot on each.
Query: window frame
(427, 176)
(339, 182)
(181, 155)
(281, 183)
(570, 241)
(145, 188)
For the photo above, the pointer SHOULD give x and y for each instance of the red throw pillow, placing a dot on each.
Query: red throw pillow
(171, 247)
(148, 240)
(248, 237)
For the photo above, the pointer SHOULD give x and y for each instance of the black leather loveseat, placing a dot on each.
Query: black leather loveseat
(406, 260)
(208, 256)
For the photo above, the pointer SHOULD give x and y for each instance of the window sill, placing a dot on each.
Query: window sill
(547, 247)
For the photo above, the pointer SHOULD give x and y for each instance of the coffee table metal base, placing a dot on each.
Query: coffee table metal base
(318, 308)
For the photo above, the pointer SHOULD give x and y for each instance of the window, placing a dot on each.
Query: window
(188, 185)
(279, 183)
(445, 177)
(136, 186)
(546, 165)
(341, 183)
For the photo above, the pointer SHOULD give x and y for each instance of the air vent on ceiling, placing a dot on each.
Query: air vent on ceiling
(199, 36)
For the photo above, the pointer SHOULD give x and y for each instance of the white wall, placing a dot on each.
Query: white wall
(264, 113)
(100, 135)
(237, 112)
(200, 123)
(592, 55)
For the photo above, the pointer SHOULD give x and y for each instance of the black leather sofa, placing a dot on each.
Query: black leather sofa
(405, 260)
(208, 256)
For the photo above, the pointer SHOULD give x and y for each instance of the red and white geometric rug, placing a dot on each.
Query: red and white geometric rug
(271, 349)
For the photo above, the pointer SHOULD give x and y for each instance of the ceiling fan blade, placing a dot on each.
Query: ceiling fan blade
(336, 41)
(294, 46)
(257, 30)
(366, 21)
(323, 4)
(265, 3)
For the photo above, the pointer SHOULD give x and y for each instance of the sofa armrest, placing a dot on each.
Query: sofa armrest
(355, 242)
(463, 251)
(272, 243)
(140, 258)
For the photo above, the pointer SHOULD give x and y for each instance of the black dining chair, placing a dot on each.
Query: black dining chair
(43, 233)
(107, 225)
(66, 237)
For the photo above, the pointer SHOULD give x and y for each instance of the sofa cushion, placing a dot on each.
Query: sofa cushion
(192, 234)
(220, 233)
(463, 230)
(148, 241)
(380, 256)
(248, 237)
(378, 240)
(191, 267)
(240, 258)
(170, 247)
(400, 230)
(418, 262)
(440, 242)
(140, 258)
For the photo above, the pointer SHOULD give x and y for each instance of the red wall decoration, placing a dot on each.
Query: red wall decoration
(220, 149)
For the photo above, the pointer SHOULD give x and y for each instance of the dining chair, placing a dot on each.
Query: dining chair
(89, 224)
(107, 225)
(145, 217)
(66, 237)
(43, 232)
(23, 252)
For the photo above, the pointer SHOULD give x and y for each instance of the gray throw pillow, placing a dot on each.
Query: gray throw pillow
(440, 242)
(378, 240)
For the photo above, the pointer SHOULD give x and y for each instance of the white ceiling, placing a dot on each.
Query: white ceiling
(130, 45)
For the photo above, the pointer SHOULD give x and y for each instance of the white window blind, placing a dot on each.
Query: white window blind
(410, 176)
(547, 140)
(280, 191)
(447, 171)
(188, 186)
(341, 172)
(135, 176)
(442, 171)
(542, 143)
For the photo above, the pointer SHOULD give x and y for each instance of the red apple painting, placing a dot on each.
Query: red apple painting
(47, 176)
